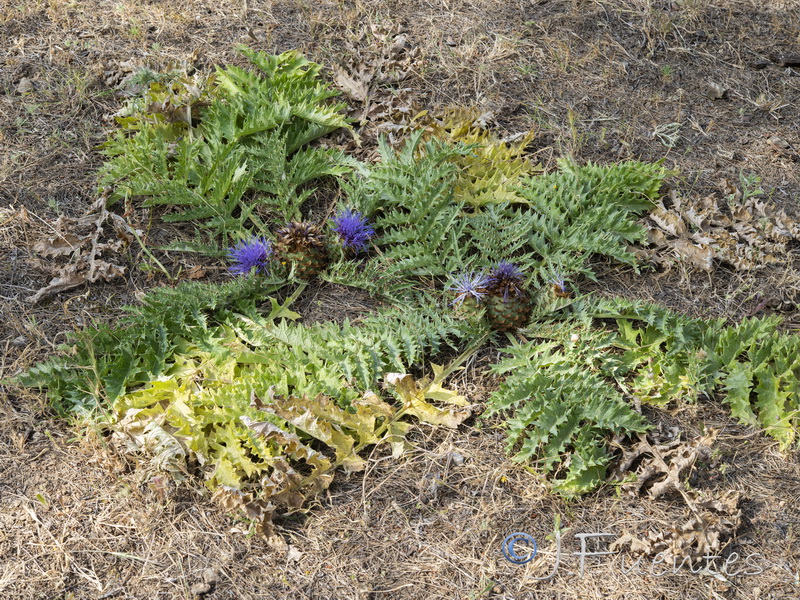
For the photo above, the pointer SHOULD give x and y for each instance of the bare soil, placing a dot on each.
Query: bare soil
(712, 88)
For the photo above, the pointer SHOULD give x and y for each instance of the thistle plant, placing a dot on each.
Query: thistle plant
(508, 305)
(353, 230)
(253, 254)
(469, 290)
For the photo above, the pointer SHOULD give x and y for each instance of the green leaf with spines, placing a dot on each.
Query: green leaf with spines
(251, 137)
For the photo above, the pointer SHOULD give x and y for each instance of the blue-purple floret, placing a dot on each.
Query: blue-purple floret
(506, 276)
(469, 285)
(251, 254)
(506, 270)
(353, 229)
(559, 281)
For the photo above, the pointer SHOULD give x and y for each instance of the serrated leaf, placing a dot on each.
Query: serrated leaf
(281, 312)
(738, 385)
(323, 420)
(413, 399)
(771, 401)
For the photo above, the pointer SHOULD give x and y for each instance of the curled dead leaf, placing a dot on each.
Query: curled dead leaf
(68, 278)
(710, 528)
(84, 240)
(698, 255)
(356, 86)
(669, 222)
(750, 234)
(260, 511)
(662, 468)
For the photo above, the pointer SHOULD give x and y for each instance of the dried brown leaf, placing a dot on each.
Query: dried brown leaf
(233, 499)
(751, 234)
(25, 86)
(81, 240)
(196, 272)
(700, 256)
(61, 245)
(68, 278)
(711, 526)
(669, 221)
(356, 86)
(662, 468)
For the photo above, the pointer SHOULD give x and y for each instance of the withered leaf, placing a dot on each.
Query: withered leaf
(668, 221)
(82, 240)
(751, 234)
(259, 510)
(698, 255)
(68, 278)
(711, 526)
(357, 87)
(662, 468)
(60, 245)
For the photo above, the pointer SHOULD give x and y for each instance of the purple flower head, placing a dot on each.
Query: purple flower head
(469, 285)
(558, 281)
(506, 278)
(353, 229)
(506, 271)
(253, 253)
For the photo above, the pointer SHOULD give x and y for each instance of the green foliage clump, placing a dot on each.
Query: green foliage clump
(243, 158)
(490, 173)
(219, 412)
(571, 215)
(197, 375)
(578, 211)
(562, 406)
(410, 197)
(566, 396)
(752, 366)
(100, 364)
(344, 360)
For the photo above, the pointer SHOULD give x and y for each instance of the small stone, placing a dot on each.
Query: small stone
(456, 458)
(24, 86)
(210, 576)
(201, 588)
(715, 91)
(779, 143)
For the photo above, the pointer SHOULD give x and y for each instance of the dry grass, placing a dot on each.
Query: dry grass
(601, 81)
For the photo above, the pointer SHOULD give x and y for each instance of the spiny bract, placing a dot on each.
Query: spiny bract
(508, 305)
(302, 244)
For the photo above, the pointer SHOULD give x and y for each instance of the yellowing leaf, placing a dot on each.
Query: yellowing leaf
(413, 397)
(434, 391)
(396, 436)
(143, 430)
